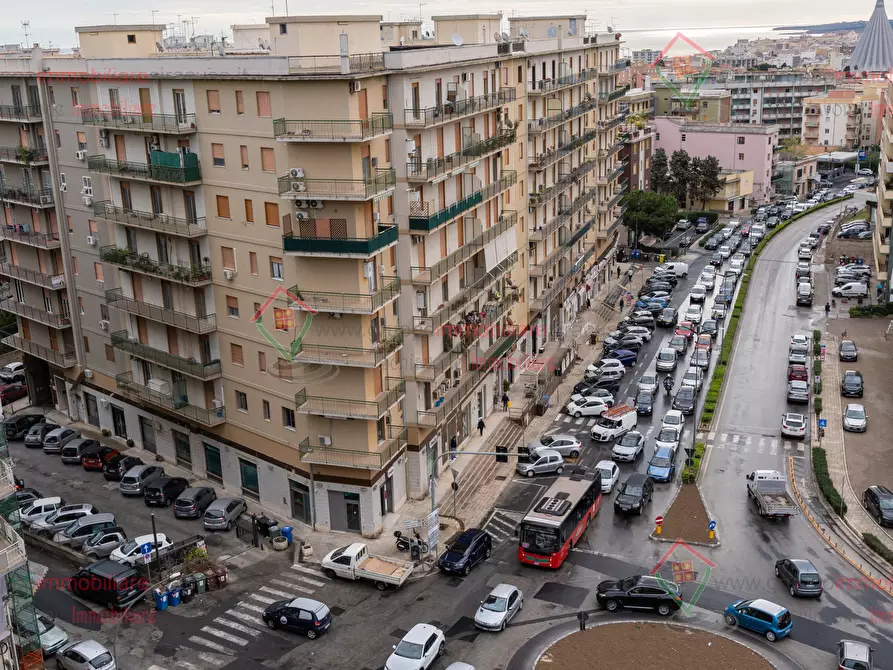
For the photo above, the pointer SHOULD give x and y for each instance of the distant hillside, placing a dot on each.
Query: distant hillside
(829, 27)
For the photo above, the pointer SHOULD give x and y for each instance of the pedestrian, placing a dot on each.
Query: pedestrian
(629, 298)
(481, 426)
(505, 402)
(630, 273)
(588, 303)
(827, 308)
(454, 446)
(618, 272)
(620, 305)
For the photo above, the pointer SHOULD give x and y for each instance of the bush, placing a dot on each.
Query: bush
(816, 336)
(130, 443)
(817, 388)
(876, 546)
(823, 477)
(106, 432)
(817, 403)
(816, 348)
(817, 367)
(868, 311)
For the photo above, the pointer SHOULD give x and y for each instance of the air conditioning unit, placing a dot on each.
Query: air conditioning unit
(296, 173)
(88, 374)
(46, 200)
(376, 216)
(104, 325)
(298, 187)
(159, 386)
(87, 200)
(217, 404)
(80, 155)
(317, 204)
(416, 239)
(324, 440)
(92, 240)
(302, 204)
(228, 274)
(104, 402)
(355, 87)
(103, 142)
(301, 216)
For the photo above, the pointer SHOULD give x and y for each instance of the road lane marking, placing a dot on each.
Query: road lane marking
(309, 571)
(236, 626)
(253, 608)
(700, 436)
(787, 446)
(566, 418)
(801, 448)
(773, 448)
(195, 639)
(590, 422)
(736, 438)
(724, 437)
(749, 440)
(247, 618)
(223, 635)
(283, 594)
(762, 447)
(711, 436)
(579, 421)
(208, 658)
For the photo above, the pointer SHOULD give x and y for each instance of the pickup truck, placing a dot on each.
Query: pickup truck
(769, 490)
(355, 562)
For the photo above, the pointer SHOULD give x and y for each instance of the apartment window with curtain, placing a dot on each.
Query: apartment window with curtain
(218, 155)
(275, 268)
(267, 159)
(223, 207)
(262, 362)
(82, 141)
(93, 227)
(110, 353)
(264, 108)
(271, 214)
(249, 211)
(213, 465)
(228, 257)
(241, 401)
(75, 96)
(235, 352)
(232, 306)
(288, 418)
(213, 102)
(243, 151)
(240, 103)
(266, 406)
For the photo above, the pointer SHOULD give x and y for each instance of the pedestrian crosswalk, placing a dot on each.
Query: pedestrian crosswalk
(582, 421)
(502, 523)
(759, 444)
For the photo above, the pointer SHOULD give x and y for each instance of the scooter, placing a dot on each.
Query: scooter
(403, 543)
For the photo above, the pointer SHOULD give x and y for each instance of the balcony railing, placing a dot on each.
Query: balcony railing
(336, 64)
(612, 175)
(33, 197)
(542, 161)
(344, 457)
(456, 109)
(423, 217)
(381, 182)
(551, 85)
(333, 130)
(308, 242)
(190, 322)
(580, 232)
(62, 359)
(24, 156)
(179, 124)
(41, 315)
(164, 223)
(23, 113)
(545, 123)
(12, 549)
(537, 198)
(619, 66)
(7, 479)
(180, 406)
(419, 170)
(541, 267)
(563, 217)
(122, 340)
(608, 96)
(607, 206)
(148, 171)
(22, 234)
(348, 303)
(351, 409)
(392, 340)
(31, 276)
(613, 122)
(193, 275)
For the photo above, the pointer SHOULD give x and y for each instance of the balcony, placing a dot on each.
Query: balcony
(310, 242)
(30, 197)
(179, 406)
(619, 66)
(190, 322)
(333, 130)
(611, 176)
(12, 549)
(374, 186)
(609, 96)
(384, 452)
(62, 359)
(608, 205)
(422, 216)
(150, 172)
(24, 156)
(580, 232)
(204, 371)
(22, 234)
(541, 268)
(454, 110)
(392, 340)
(418, 170)
(348, 303)
(579, 203)
(20, 113)
(147, 122)
(162, 223)
(544, 195)
(31, 276)
(544, 160)
(605, 233)
(544, 124)
(545, 86)
(191, 275)
(613, 122)
(7, 479)
(9, 304)
(343, 408)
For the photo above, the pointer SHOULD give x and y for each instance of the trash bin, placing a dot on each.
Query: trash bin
(211, 579)
(287, 533)
(221, 578)
(201, 584)
(173, 591)
(263, 525)
(160, 599)
(188, 591)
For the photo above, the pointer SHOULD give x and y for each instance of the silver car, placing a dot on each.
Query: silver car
(566, 445)
(500, 607)
(855, 419)
(104, 542)
(223, 512)
(61, 519)
(648, 382)
(541, 461)
(666, 360)
(138, 478)
(56, 439)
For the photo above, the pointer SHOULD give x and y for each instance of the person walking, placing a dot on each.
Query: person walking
(827, 308)
(618, 272)
(620, 305)
(454, 447)
(481, 426)
(505, 402)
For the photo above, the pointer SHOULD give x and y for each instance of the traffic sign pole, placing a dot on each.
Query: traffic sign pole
(658, 524)
(712, 528)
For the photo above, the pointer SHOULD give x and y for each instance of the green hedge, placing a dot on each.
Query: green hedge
(878, 547)
(823, 477)
(690, 472)
(864, 311)
(817, 364)
(817, 405)
(712, 217)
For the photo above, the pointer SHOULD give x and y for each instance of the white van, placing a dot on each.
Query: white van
(851, 290)
(615, 422)
(678, 268)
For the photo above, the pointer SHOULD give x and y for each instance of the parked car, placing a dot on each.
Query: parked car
(853, 654)
(800, 576)
(78, 532)
(58, 438)
(135, 480)
(793, 425)
(610, 473)
(636, 492)
(473, 546)
(591, 406)
(131, 551)
(25, 496)
(878, 502)
(39, 509)
(73, 452)
(97, 457)
(855, 419)
(17, 426)
(12, 372)
(12, 392)
(299, 615)
(37, 433)
(798, 391)
(192, 503)
(223, 513)
(566, 445)
(641, 592)
(625, 356)
(52, 638)
(104, 542)
(761, 616)
(164, 491)
(418, 649)
(798, 372)
(117, 466)
(851, 384)
(61, 518)
(85, 655)
(848, 351)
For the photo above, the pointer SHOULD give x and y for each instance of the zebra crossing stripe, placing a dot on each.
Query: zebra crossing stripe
(579, 421)
(253, 608)
(262, 599)
(801, 448)
(711, 435)
(223, 635)
(308, 580)
(219, 648)
(787, 446)
(237, 626)
(591, 422)
(309, 571)
(207, 658)
(736, 438)
(566, 418)
(283, 594)
(749, 440)
(247, 618)
(724, 437)
(773, 447)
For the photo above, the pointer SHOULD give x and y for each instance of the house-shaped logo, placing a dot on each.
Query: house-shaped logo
(284, 320)
(683, 564)
(678, 61)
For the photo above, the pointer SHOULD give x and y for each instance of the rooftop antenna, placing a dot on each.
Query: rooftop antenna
(115, 18)
(154, 12)
(25, 26)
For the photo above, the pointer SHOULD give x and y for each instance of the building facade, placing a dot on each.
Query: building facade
(736, 195)
(846, 119)
(883, 212)
(796, 176)
(697, 105)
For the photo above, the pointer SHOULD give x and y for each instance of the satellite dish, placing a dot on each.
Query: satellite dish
(221, 50)
(160, 47)
(552, 32)
(524, 32)
(267, 45)
(427, 33)
(497, 37)
(457, 39)
(505, 37)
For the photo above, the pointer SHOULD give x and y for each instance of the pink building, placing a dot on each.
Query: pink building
(737, 146)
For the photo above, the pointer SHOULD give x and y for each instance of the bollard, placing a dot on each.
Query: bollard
(657, 530)
(712, 534)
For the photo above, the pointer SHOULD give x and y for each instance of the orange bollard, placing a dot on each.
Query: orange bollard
(657, 530)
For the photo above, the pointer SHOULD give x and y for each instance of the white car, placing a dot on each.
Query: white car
(694, 314)
(640, 331)
(800, 339)
(418, 649)
(130, 551)
(708, 270)
(605, 365)
(693, 377)
(708, 281)
(698, 293)
(793, 425)
(804, 254)
(500, 607)
(674, 418)
(865, 172)
(724, 251)
(668, 437)
(629, 447)
(648, 382)
(599, 393)
(737, 258)
(85, 655)
(591, 406)
(610, 474)
(736, 267)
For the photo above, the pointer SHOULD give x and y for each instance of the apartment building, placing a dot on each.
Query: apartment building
(883, 212)
(637, 132)
(844, 118)
(735, 196)
(796, 175)
(299, 270)
(694, 104)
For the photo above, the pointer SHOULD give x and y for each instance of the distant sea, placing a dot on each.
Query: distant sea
(708, 39)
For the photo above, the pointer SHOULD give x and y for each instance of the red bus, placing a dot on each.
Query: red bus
(556, 523)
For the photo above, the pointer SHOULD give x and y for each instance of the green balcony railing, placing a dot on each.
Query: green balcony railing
(146, 121)
(333, 130)
(563, 216)
(608, 96)
(194, 275)
(22, 155)
(190, 322)
(122, 340)
(376, 459)
(377, 184)
(306, 241)
(163, 223)
(31, 276)
(421, 216)
(62, 359)
(452, 110)
(24, 113)
(22, 233)
(351, 409)
(150, 171)
(565, 180)
(423, 170)
(32, 197)
(180, 406)
(348, 303)
(392, 339)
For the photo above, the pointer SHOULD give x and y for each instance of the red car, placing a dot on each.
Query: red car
(686, 329)
(704, 342)
(10, 392)
(798, 373)
(95, 459)
(745, 231)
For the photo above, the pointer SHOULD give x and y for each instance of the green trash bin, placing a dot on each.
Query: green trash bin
(200, 584)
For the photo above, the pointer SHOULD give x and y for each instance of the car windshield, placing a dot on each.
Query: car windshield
(495, 603)
(672, 419)
(794, 421)
(631, 489)
(887, 502)
(101, 661)
(460, 546)
(643, 397)
(685, 393)
(648, 379)
(666, 356)
(798, 386)
(628, 440)
(854, 413)
(539, 539)
(128, 546)
(214, 514)
(606, 473)
(546, 440)
(667, 435)
(851, 377)
(660, 461)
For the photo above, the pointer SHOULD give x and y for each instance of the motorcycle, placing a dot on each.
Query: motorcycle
(403, 543)
(668, 386)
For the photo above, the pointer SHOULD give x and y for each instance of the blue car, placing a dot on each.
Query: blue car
(625, 356)
(649, 303)
(662, 467)
(761, 616)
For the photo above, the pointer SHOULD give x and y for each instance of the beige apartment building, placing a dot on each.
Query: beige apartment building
(299, 269)
(883, 212)
(844, 118)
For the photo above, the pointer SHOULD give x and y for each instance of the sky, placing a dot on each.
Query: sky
(54, 23)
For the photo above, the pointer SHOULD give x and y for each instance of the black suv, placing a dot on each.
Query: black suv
(634, 494)
(848, 351)
(851, 385)
(462, 554)
(116, 466)
(685, 400)
(164, 491)
(641, 592)
(667, 317)
(713, 243)
(18, 426)
(878, 502)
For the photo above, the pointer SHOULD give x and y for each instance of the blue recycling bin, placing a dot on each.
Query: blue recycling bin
(174, 596)
(287, 533)
(160, 600)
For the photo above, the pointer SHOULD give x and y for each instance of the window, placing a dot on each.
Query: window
(283, 28)
(110, 353)
(740, 139)
(131, 39)
(228, 256)
(252, 262)
(75, 96)
(240, 103)
(86, 344)
(81, 304)
(82, 141)
(271, 214)
(223, 207)
(276, 268)
(249, 211)
(218, 155)
(52, 95)
(384, 96)
(387, 150)
(243, 152)
(235, 352)
(181, 448)
(264, 108)
(99, 272)
(262, 365)
(683, 137)
(213, 468)
(241, 401)
(267, 159)
(232, 306)
(250, 485)
(213, 102)
(74, 262)
(92, 227)
(520, 73)
(266, 406)
(288, 418)
(740, 157)
(58, 140)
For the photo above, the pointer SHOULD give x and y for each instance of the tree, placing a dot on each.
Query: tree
(650, 213)
(706, 180)
(794, 146)
(660, 172)
(680, 176)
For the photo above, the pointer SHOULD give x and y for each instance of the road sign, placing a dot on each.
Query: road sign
(823, 423)
(413, 523)
(711, 525)
(658, 520)
(862, 155)
(433, 528)
(146, 548)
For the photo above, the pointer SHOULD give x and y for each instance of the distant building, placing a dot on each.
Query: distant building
(635, 155)
(735, 195)
(796, 176)
(400, 33)
(703, 105)
(638, 101)
(845, 118)
(883, 209)
(646, 55)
